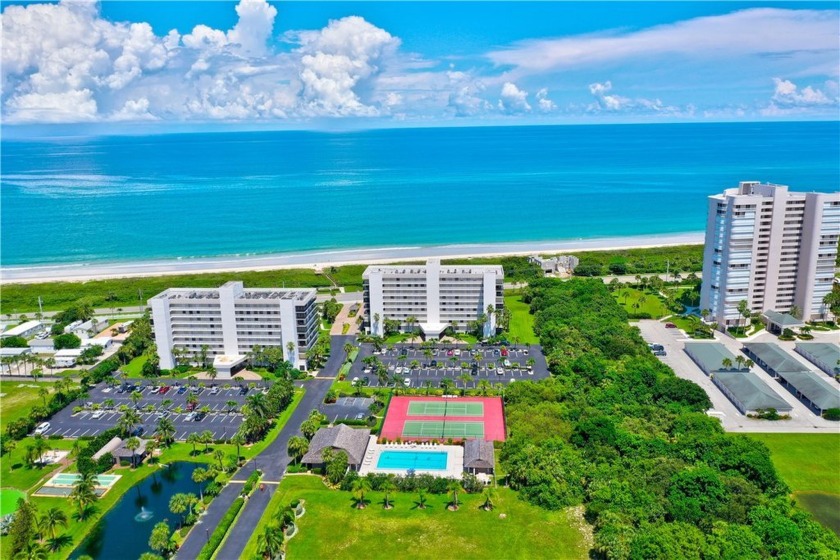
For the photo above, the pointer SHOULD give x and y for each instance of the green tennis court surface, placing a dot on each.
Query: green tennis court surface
(436, 428)
(437, 408)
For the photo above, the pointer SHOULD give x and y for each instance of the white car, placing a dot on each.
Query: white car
(500, 371)
(97, 415)
(507, 363)
(42, 427)
(355, 380)
(407, 382)
(398, 371)
(457, 352)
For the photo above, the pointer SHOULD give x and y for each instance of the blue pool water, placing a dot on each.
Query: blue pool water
(417, 460)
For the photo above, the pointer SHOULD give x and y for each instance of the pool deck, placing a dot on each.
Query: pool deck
(454, 458)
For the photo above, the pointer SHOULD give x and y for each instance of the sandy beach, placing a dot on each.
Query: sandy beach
(320, 259)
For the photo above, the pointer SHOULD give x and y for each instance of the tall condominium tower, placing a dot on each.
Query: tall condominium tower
(437, 296)
(227, 322)
(773, 248)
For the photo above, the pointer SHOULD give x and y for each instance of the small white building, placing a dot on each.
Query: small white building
(103, 341)
(67, 358)
(563, 263)
(87, 328)
(26, 329)
(10, 353)
(42, 346)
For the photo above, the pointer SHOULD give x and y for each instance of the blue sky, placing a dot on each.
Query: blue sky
(164, 65)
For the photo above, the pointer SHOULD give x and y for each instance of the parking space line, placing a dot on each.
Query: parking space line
(84, 433)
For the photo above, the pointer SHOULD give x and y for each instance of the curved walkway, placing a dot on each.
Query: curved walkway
(272, 462)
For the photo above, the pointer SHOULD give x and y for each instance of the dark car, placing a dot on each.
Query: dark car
(138, 431)
(670, 326)
(182, 390)
(366, 380)
(434, 363)
(660, 353)
(165, 389)
(199, 417)
(243, 390)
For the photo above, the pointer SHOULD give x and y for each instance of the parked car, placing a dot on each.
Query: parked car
(407, 382)
(355, 381)
(507, 363)
(189, 417)
(360, 416)
(138, 431)
(457, 352)
(165, 389)
(500, 371)
(670, 326)
(214, 391)
(450, 352)
(199, 416)
(42, 428)
(503, 351)
(182, 390)
(190, 406)
(660, 353)
(155, 390)
(97, 415)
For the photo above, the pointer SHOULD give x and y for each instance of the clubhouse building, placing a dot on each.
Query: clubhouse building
(227, 322)
(437, 296)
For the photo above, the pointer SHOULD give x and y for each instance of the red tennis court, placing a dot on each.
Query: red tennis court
(422, 418)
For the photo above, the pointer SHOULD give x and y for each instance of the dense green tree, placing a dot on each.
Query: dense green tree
(67, 341)
(23, 527)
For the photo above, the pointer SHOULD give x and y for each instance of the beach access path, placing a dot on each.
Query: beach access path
(272, 462)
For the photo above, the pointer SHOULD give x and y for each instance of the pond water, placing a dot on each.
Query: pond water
(824, 507)
(123, 534)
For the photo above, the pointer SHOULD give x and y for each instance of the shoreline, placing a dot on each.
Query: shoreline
(83, 272)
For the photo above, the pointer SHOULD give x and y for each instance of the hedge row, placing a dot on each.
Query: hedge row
(221, 530)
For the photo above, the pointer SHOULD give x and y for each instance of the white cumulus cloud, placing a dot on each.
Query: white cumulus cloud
(513, 100)
(545, 104)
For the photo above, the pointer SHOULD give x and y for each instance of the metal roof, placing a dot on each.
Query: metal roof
(815, 387)
(784, 320)
(710, 355)
(776, 359)
(751, 391)
(822, 354)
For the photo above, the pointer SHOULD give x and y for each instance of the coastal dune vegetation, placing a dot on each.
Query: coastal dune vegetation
(120, 293)
(615, 430)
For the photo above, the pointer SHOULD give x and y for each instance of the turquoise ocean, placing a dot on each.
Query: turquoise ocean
(139, 198)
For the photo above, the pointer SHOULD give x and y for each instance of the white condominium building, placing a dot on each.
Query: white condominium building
(437, 296)
(773, 248)
(229, 321)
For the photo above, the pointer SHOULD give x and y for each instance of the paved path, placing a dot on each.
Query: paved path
(272, 462)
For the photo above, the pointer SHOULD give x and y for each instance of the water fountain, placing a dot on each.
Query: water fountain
(144, 515)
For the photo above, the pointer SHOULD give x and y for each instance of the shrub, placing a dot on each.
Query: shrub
(832, 414)
(221, 530)
(253, 478)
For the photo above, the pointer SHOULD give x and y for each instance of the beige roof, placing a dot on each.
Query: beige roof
(341, 437)
(479, 454)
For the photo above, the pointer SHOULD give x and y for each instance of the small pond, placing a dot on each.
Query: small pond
(125, 530)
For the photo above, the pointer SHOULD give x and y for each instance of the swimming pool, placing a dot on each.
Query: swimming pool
(417, 460)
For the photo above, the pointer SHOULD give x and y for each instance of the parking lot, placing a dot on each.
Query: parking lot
(101, 409)
(673, 341)
(414, 366)
(347, 408)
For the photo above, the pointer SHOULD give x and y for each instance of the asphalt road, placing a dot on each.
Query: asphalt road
(272, 461)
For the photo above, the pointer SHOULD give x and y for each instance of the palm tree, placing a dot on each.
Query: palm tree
(421, 498)
(219, 455)
(231, 406)
(744, 310)
(83, 492)
(298, 447)
(39, 447)
(388, 487)
(199, 475)
(43, 392)
(270, 542)
(258, 405)
(454, 487)
(194, 439)
(290, 348)
(376, 319)
(237, 439)
(132, 444)
(464, 378)
(179, 504)
(489, 496)
(348, 347)
(53, 518)
(726, 363)
(360, 486)
(202, 355)
(739, 360)
(33, 550)
(206, 438)
(483, 386)
(166, 430)
(127, 421)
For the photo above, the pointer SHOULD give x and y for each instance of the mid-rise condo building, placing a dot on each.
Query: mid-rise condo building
(436, 296)
(227, 322)
(770, 247)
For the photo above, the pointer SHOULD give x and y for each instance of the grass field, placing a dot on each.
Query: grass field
(333, 528)
(808, 463)
(18, 398)
(627, 297)
(8, 500)
(135, 366)
(521, 321)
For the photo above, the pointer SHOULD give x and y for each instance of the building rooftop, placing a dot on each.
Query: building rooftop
(784, 320)
(776, 359)
(479, 454)
(710, 355)
(751, 391)
(350, 440)
(824, 352)
(109, 447)
(401, 269)
(816, 387)
(298, 294)
(22, 329)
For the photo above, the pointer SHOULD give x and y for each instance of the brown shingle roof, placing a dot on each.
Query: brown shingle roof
(350, 440)
(479, 454)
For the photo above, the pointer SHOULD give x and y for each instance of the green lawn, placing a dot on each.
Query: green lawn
(806, 462)
(18, 399)
(627, 297)
(135, 366)
(15, 474)
(521, 321)
(333, 528)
